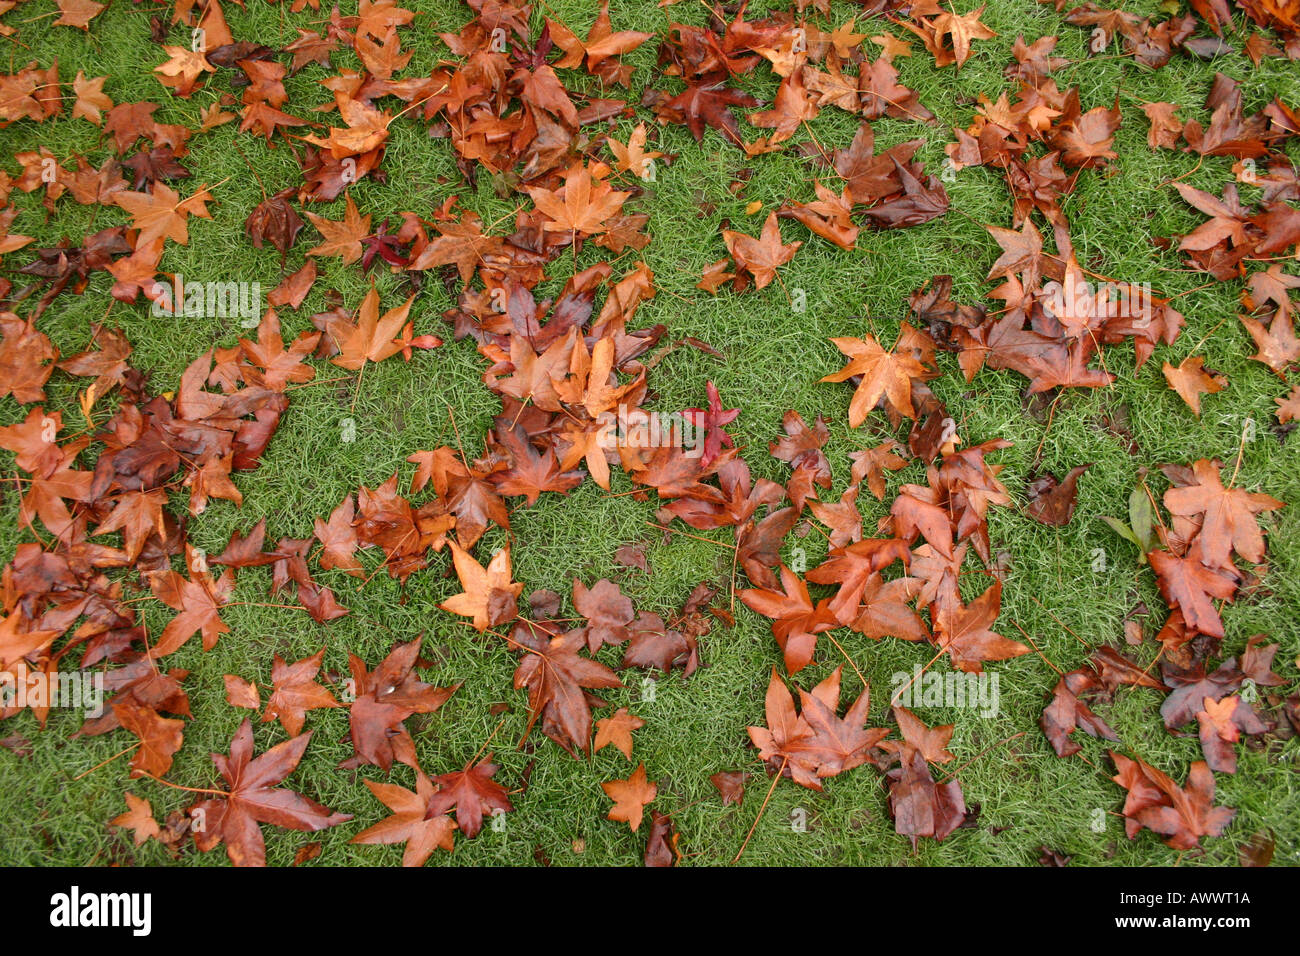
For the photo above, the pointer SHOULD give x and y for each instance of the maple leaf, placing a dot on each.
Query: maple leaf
(199, 599)
(707, 104)
(295, 692)
(1067, 712)
(1190, 379)
(10, 241)
(280, 366)
(930, 742)
(1022, 252)
(108, 363)
(462, 244)
(1221, 724)
(1288, 407)
(853, 568)
(961, 29)
(366, 130)
(1181, 815)
(253, 798)
(374, 337)
(730, 785)
(585, 206)
(274, 220)
(887, 375)
(607, 610)
(617, 731)
(630, 797)
(471, 791)
(410, 822)
(489, 598)
(872, 463)
(241, 693)
(293, 289)
(1166, 128)
(530, 473)
(78, 13)
(921, 807)
(760, 257)
(602, 41)
(342, 238)
(882, 610)
(814, 744)
(710, 422)
(1228, 523)
(138, 819)
(1188, 690)
(338, 539)
(964, 633)
(160, 737)
(26, 359)
(385, 697)
(182, 71)
(137, 514)
(632, 157)
(1189, 585)
(796, 621)
(838, 743)
(1084, 138)
(1052, 502)
(161, 213)
(1277, 343)
(555, 676)
(793, 107)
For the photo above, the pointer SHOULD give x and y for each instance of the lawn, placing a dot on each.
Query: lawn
(1067, 588)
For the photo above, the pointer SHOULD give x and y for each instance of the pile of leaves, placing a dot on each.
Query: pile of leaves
(572, 374)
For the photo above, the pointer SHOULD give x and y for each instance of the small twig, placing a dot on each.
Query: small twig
(775, 777)
(109, 760)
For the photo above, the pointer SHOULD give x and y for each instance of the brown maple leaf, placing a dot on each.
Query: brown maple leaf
(385, 697)
(583, 208)
(1189, 585)
(617, 731)
(814, 744)
(1228, 516)
(490, 597)
(1190, 379)
(138, 819)
(760, 257)
(342, 238)
(796, 621)
(471, 791)
(295, 692)
(374, 337)
(1067, 712)
(253, 798)
(161, 213)
(555, 675)
(199, 599)
(1181, 815)
(410, 822)
(887, 375)
(160, 737)
(964, 633)
(630, 797)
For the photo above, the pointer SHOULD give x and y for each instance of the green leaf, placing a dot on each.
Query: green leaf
(1123, 530)
(1139, 516)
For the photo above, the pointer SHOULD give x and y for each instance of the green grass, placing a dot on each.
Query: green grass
(51, 813)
